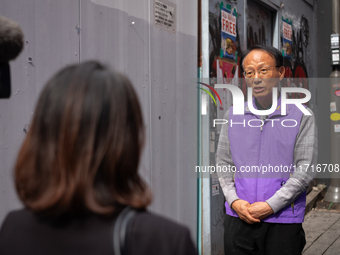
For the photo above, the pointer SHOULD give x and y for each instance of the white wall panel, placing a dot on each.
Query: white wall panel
(51, 41)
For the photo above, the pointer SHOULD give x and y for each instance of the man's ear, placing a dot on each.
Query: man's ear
(282, 71)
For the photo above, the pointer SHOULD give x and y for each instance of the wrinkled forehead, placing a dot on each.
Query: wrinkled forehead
(258, 58)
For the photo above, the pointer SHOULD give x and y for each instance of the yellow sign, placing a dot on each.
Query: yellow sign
(335, 116)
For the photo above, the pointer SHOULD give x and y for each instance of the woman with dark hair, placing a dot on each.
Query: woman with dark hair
(77, 170)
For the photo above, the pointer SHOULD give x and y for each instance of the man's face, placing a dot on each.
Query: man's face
(269, 77)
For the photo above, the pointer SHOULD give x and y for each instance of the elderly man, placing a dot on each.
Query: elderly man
(265, 209)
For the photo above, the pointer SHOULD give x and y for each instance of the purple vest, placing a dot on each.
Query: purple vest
(252, 150)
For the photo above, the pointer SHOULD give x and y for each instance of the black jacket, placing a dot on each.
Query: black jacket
(24, 233)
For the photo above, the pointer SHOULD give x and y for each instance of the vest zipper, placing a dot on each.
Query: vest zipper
(257, 174)
(292, 204)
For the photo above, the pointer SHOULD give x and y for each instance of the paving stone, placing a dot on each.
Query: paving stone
(321, 220)
(336, 226)
(334, 249)
(311, 236)
(307, 245)
(322, 229)
(336, 244)
(317, 248)
(329, 236)
(317, 223)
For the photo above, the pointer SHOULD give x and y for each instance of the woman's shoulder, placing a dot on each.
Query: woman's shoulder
(160, 235)
(13, 224)
(16, 216)
(15, 220)
(157, 222)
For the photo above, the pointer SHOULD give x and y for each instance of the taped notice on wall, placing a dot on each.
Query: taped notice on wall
(215, 189)
(333, 107)
(214, 178)
(165, 15)
(337, 128)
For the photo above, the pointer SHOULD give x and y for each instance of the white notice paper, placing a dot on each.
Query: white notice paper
(336, 128)
(165, 15)
(333, 107)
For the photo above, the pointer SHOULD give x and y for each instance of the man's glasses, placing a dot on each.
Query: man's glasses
(264, 71)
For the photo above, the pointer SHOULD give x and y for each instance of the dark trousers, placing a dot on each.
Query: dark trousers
(241, 238)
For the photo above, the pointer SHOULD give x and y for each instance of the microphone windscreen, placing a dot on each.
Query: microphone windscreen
(11, 39)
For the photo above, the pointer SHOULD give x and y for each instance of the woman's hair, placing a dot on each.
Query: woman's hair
(83, 148)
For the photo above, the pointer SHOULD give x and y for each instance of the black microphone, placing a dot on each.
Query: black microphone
(11, 44)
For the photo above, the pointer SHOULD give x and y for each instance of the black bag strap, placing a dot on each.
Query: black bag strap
(121, 230)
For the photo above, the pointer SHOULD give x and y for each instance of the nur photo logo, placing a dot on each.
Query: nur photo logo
(207, 91)
(238, 101)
